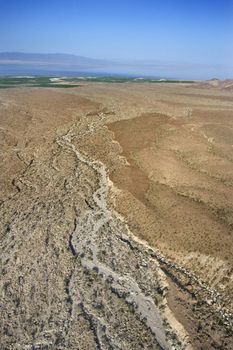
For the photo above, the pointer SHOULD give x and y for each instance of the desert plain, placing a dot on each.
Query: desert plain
(116, 214)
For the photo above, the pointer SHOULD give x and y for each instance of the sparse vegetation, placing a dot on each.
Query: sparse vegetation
(56, 82)
(69, 260)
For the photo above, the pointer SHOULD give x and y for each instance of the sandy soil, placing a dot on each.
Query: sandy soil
(167, 150)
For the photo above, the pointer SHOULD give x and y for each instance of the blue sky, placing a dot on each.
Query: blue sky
(179, 31)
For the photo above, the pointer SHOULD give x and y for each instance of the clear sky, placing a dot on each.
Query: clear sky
(191, 31)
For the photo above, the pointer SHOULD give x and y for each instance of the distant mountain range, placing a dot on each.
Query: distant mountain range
(38, 63)
(54, 59)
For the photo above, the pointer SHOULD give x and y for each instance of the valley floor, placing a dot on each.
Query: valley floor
(116, 217)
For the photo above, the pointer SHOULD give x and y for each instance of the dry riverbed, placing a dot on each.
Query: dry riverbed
(116, 217)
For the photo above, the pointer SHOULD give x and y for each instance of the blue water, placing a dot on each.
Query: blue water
(10, 70)
(27, 70)
(181, 73)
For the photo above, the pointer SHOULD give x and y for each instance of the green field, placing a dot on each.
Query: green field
(51, 82)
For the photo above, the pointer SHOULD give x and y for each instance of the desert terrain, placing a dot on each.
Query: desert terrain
(116, 216)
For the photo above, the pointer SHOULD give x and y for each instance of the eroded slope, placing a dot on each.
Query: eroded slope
(74, 274)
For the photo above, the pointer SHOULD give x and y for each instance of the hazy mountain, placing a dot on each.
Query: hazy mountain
(50, 59)
(30, 63)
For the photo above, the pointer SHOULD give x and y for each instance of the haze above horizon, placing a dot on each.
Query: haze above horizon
(189, 33)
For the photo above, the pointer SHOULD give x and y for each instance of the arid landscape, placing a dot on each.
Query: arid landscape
(116, 214)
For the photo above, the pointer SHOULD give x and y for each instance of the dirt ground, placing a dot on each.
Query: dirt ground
(168, 151)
